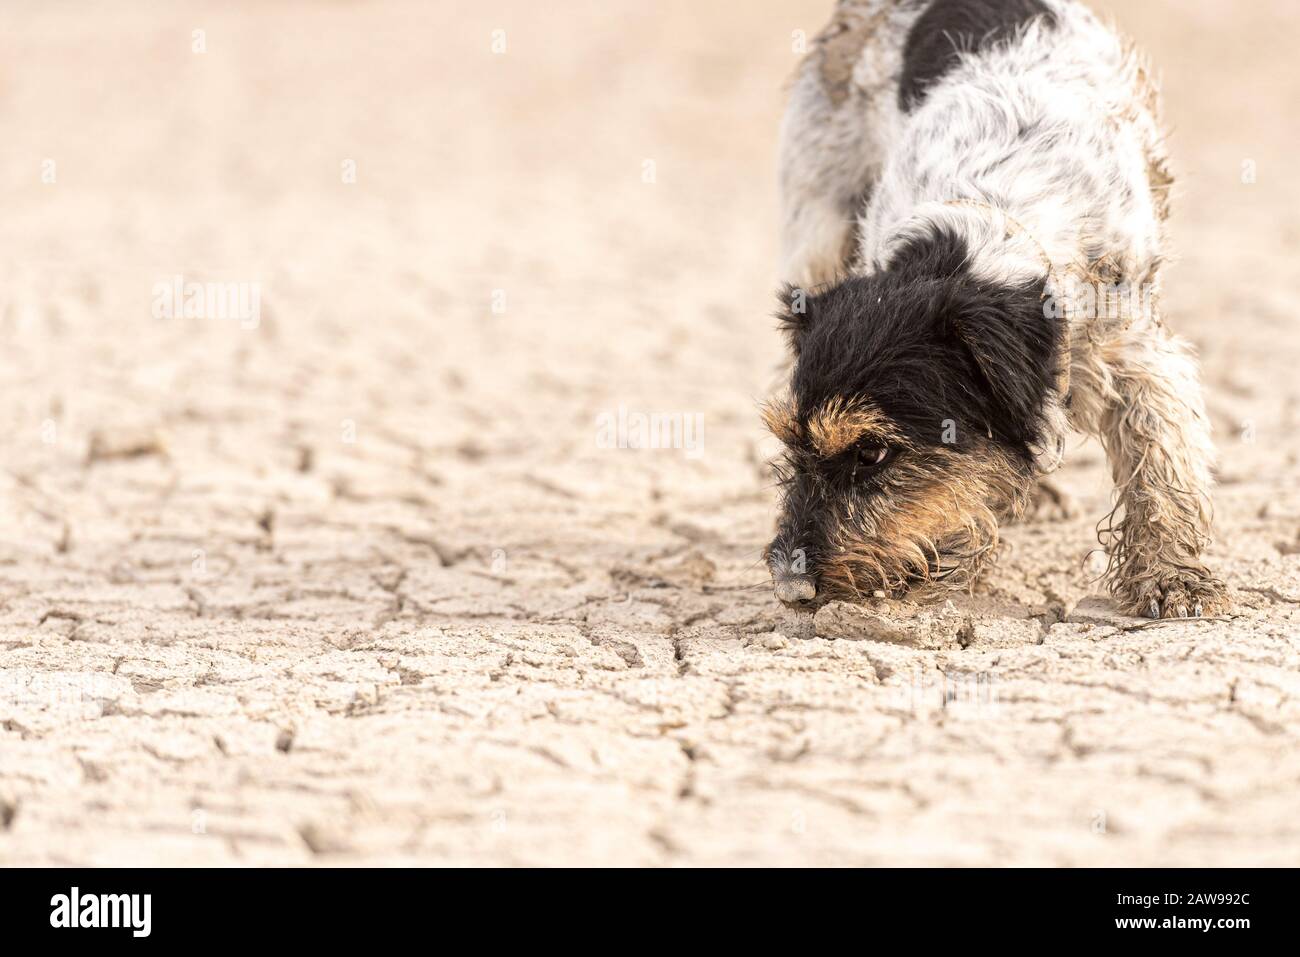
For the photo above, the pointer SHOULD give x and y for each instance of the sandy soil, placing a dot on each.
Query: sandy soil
(366, 584)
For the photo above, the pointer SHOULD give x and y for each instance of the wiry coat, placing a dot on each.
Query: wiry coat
(1024, 133)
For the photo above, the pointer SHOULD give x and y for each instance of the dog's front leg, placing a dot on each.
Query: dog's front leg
(1148, 411)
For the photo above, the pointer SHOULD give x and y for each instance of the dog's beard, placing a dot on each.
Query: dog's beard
(918, 565)
(933, 530)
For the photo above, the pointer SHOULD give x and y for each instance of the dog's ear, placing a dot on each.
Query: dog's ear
(1015, 349)
(1003, 335)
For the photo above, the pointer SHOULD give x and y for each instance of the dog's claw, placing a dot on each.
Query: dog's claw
(1177, 597)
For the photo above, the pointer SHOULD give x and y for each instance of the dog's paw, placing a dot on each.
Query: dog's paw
(1179, 593)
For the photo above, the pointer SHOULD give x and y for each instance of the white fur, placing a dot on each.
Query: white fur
(1046, 154)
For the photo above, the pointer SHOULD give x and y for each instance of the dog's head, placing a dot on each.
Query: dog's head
(917, 397)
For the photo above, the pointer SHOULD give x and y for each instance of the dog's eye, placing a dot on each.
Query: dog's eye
(868, 457)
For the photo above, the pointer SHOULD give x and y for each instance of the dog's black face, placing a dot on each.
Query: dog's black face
(915, 396)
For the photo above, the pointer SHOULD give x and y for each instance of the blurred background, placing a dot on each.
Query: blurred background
(356, 578)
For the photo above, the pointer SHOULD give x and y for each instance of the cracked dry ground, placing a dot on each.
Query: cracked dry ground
(358, 586)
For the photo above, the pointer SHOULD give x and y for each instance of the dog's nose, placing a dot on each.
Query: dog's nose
(795, 590)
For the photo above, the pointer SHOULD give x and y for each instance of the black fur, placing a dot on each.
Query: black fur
(952, 361)
(951, 26)
(928, 342)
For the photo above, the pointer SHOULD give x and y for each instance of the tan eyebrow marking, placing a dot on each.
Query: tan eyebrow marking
(839, 424)
(780, 419)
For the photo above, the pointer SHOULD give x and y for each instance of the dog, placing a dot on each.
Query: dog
(973, 205)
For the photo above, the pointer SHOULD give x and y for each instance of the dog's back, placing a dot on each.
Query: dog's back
(1032, 106)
